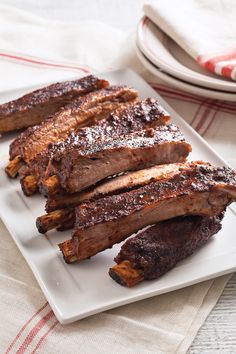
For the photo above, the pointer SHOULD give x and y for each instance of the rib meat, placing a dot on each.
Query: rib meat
(204, 190)
(115, 185)
(79, 168)
(158, 249)
(62, 206)
(141, 115)
(34, 107)
(81, 111)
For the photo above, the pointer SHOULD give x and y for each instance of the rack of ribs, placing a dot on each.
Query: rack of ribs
(155, 251)
(202, 190)
(34, 107)
(80, 112)
(135, 117)
(61, 208)
(78, 167)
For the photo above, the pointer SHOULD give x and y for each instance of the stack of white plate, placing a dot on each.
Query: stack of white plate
(166, 60)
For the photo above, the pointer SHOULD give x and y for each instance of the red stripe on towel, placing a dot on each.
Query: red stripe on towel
(44, 336)
(197, 114)
(23, 328)
(44, 62)
(210, 62)
(34, 331)
(211, 121)
(203, 119)
(172, 93)
(227, 70)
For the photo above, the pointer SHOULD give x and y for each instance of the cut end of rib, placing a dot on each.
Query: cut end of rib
(29, 185)
(62, 219)
(68, 252)
(124, 274)
(50, 186)
(14, 166)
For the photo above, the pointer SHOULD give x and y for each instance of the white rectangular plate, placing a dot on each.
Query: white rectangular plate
(80, 290)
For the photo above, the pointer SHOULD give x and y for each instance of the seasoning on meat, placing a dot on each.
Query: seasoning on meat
(135, 117)
(35, 106)
(79, 112)
(155, 251)
(204, 190)
(56, 217)
(78, 168)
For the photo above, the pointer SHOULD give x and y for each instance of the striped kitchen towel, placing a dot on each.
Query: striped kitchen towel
(205, 29)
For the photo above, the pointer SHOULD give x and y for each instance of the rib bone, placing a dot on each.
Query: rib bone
(205, 190)
(34, 107)
(159, 248)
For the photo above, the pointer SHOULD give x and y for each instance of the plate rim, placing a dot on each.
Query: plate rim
(185, 86)
(197, 78)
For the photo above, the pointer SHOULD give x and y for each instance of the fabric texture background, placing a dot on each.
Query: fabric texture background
(35, 51)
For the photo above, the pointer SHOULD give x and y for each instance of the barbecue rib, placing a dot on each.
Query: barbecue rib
(203, 190)
(81, 111)
(67, 203)
(34, 107)
(79, 168)
(114, 185)
(141, 115)
(158, 249)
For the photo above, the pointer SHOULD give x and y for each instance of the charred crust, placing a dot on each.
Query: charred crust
(120, 122)
(41, 228)
(67, 249)
(185, 182)
(158, 249)
(45, 94)
(115, 276)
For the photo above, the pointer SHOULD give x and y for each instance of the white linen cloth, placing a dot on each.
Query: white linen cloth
(205, 29)
(35, 51)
